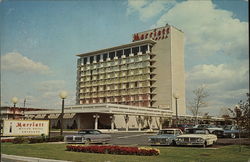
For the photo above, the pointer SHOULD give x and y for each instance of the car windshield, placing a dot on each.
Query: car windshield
(211, 126)
(202, 126)
(166, 132)
(83, 132)
(196, 131)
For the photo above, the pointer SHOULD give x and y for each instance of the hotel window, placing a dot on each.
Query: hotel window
(127, 52)
(119, 53)
(98, 58)
(144, 48)
(91, 59)
(123, 61)
(79, 61)
(116, 68)
(132, 59)
(135, 50)
(85, 60)
(105, 56)
(115, 62)
(111, 55)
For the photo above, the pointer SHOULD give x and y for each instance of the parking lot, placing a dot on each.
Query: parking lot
(141, 139)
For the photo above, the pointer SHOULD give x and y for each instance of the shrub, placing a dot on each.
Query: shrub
(19, 140)
(114, 150)
(6, 140)
(36, 140)
(54, 139)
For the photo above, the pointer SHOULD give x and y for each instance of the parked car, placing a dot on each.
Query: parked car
(196, 137)
(231, 131)
(182, 127)
(211, 128)
(165, 137)
(88, 136)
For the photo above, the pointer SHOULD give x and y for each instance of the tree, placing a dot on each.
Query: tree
(241, 113)
(200, 95)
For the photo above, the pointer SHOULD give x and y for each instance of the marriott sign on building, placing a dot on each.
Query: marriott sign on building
(129, 86)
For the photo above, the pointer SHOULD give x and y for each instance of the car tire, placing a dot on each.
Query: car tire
(205, 144)
(233, 135)
(173, 143)
(87, 141)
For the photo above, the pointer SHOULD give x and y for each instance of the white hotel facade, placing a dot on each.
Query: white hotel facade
(131, 86)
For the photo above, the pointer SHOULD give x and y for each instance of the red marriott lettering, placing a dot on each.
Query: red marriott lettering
(156, 34)
(33, 124)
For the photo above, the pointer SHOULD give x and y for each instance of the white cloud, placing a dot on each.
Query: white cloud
(214, 74)
(208, 30)
(226, 84)
(48, 92)
(148, 8)
(51, 85)
(18, 63)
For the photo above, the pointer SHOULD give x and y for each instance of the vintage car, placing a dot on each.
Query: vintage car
(165, 137)
(231, 131)
(182, 127)
(88, 136)
(196, 137)
(211, 128)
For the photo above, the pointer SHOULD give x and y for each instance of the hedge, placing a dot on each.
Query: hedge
(40, 139)
(119, 150)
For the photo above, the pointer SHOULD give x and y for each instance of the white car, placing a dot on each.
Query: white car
(196, 137)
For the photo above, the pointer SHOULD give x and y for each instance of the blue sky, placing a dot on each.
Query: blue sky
(39, 41)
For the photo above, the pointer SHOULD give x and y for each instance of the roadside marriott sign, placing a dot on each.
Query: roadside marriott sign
(25, 127)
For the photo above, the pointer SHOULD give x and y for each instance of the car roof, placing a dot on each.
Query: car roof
(170, 129)
(198, 128)
(83, 130)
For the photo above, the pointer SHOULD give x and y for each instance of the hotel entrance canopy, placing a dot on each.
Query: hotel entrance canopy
(113, 109)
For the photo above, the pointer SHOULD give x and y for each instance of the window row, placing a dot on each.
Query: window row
(115, 54)
(116, 87)
(115, 101)
(119, 74)
(116, 68)
(88, 81)
(124, 98)
(116, 93)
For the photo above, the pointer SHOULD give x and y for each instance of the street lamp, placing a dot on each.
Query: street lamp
(14, 100)
(62, 95)
(176, 96)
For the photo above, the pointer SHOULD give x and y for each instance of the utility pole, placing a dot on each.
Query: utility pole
(24, 102)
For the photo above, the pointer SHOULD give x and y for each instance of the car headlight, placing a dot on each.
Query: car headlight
(200, 140)
(179, 139)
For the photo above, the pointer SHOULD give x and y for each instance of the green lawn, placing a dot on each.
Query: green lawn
(57, 151)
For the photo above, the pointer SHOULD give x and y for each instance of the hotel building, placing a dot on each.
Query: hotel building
(136, 85)
(147, 72)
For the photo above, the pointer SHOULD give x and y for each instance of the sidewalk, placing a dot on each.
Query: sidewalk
(27, 159)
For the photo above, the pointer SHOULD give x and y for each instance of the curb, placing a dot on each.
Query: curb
(30, 159)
